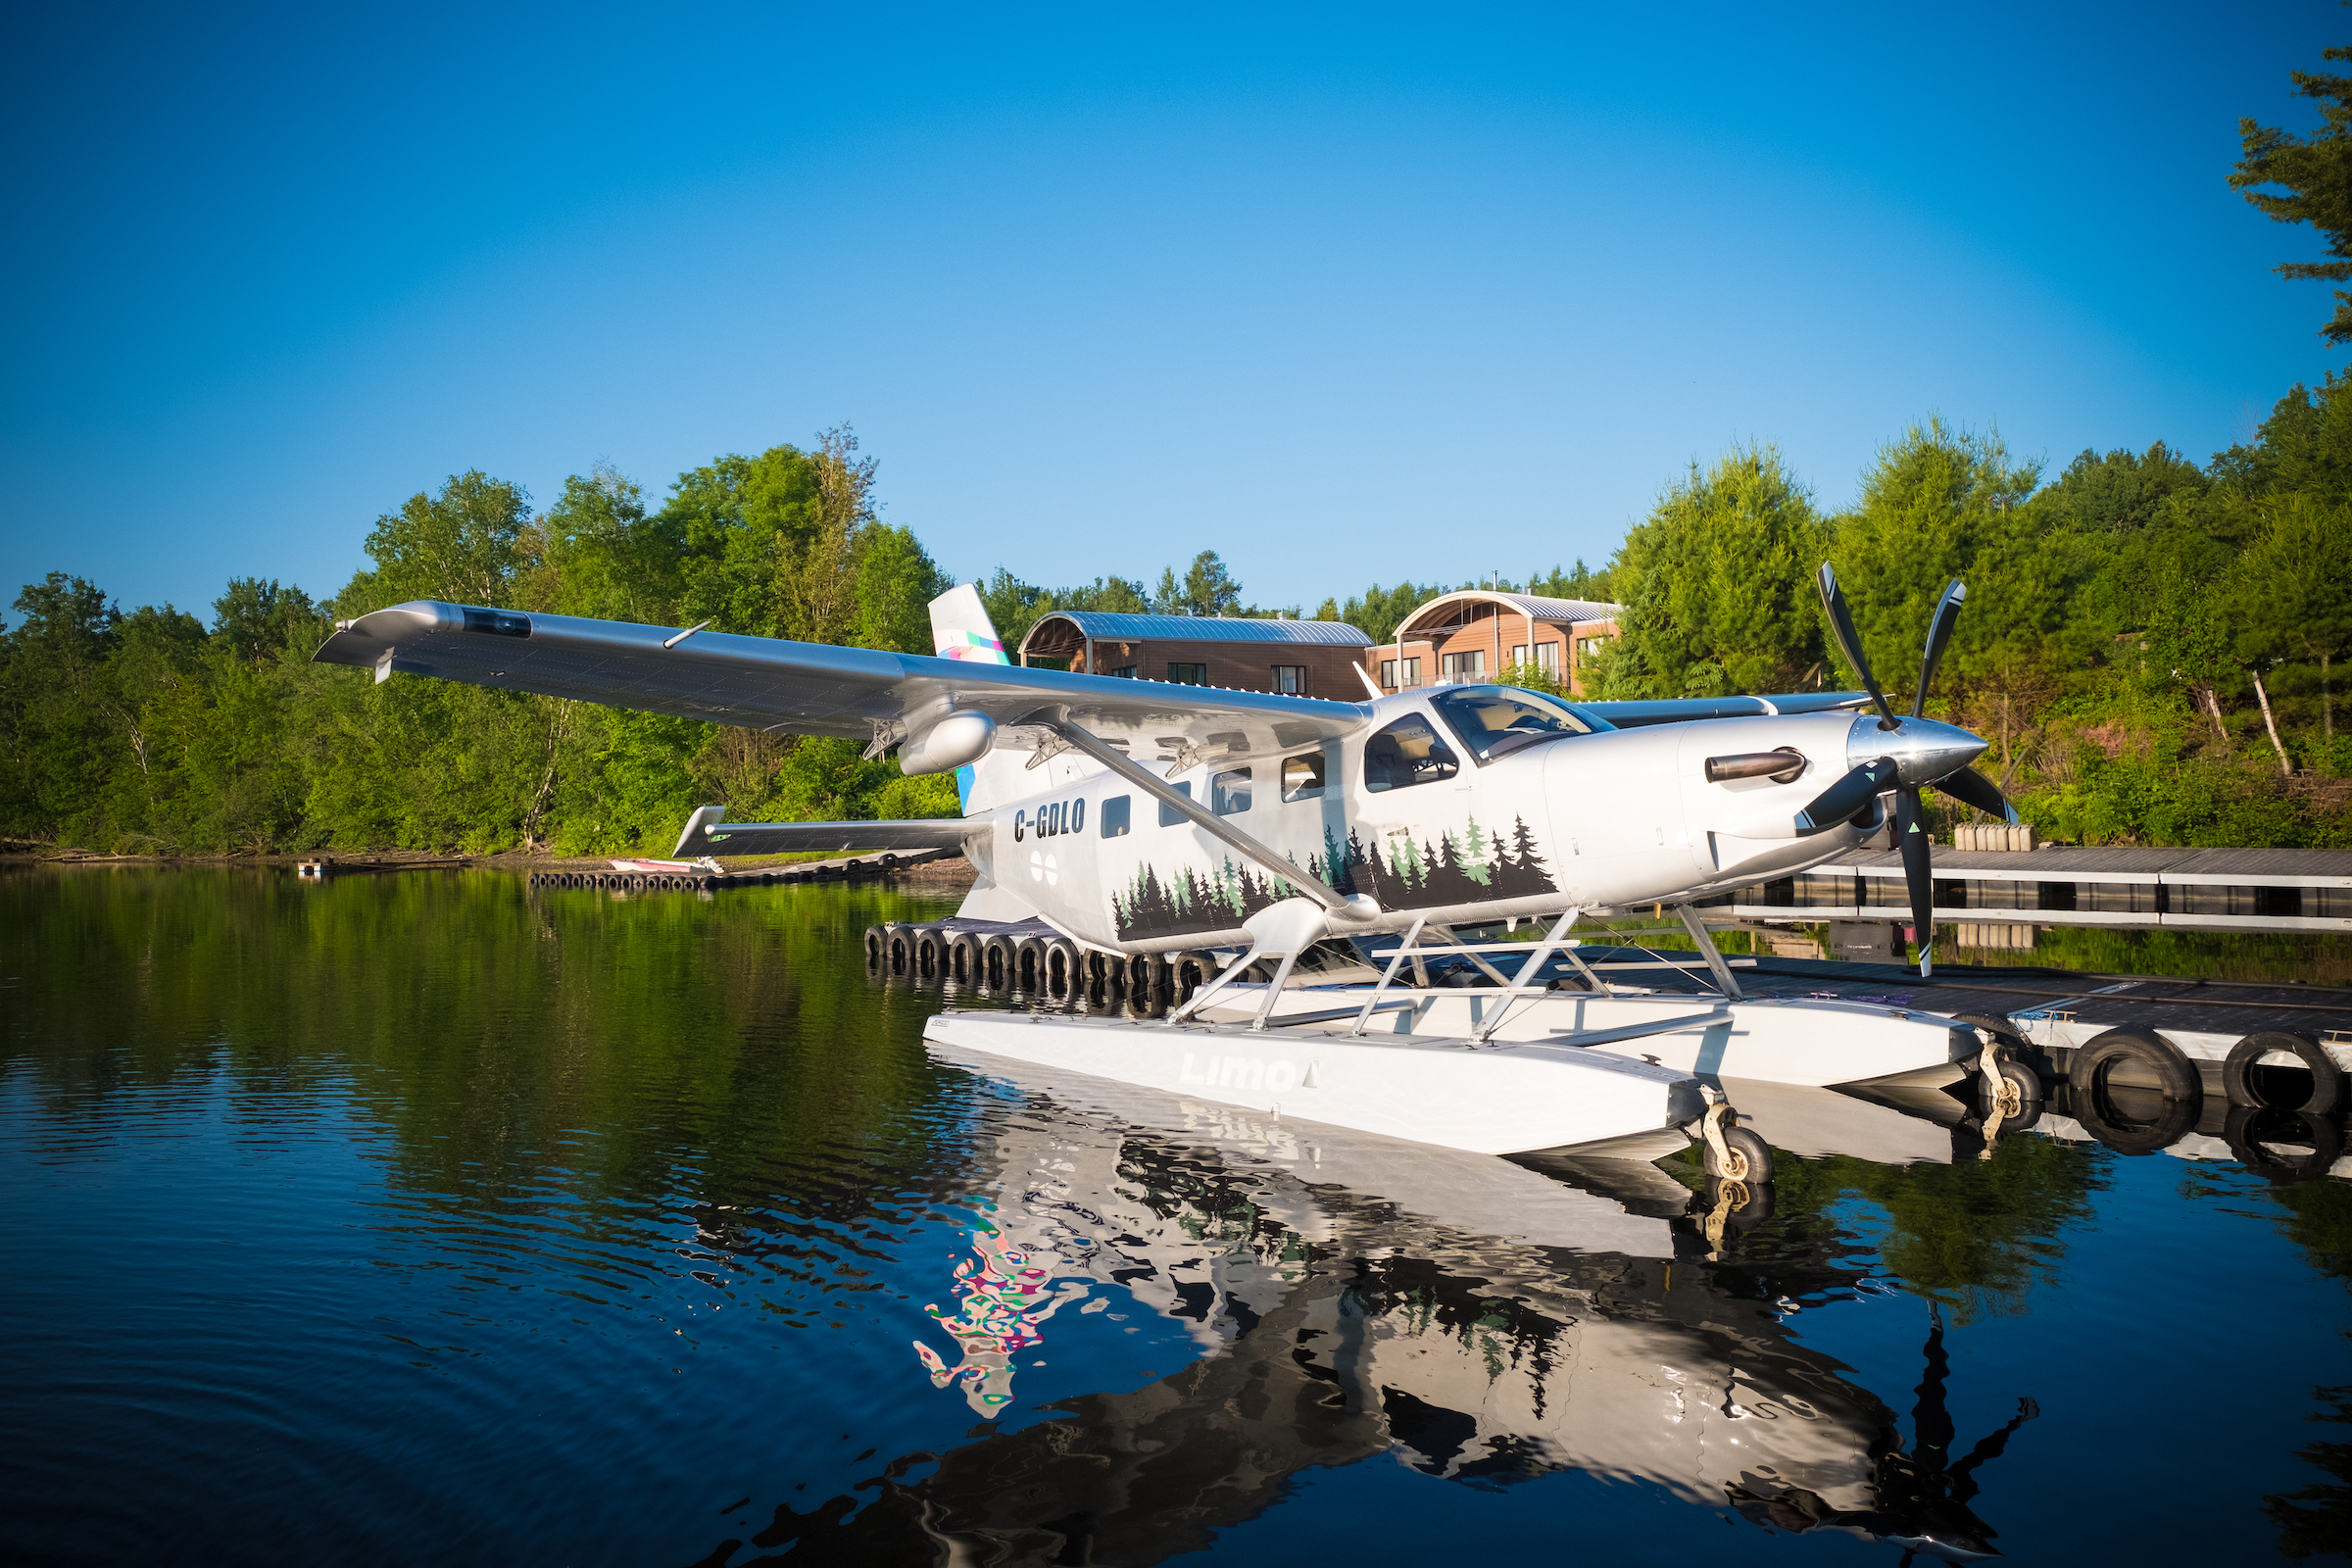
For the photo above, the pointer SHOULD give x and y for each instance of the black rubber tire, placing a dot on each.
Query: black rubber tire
(1742, 1141)
(2005, 1035)
(2183, 1093)
(2327, 1078)
(961, 960)
(2243, 1132)
(877, 946)
(1060, 968)
(1027, 971)
(930, 950)
(2028, 1095)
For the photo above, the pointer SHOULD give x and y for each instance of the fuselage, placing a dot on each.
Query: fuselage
(1427, 815)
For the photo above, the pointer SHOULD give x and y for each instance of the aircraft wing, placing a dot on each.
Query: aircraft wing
(1682, 709)
(815, 689)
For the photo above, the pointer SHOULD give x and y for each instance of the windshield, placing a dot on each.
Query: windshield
(1496, 720)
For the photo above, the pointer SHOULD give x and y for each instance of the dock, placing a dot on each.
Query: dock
(2207, 890)
(843, 868)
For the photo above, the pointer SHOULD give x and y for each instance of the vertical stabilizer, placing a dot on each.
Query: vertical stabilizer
(960, 629)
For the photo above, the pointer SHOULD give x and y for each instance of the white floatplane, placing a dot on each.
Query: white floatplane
(1140, 817)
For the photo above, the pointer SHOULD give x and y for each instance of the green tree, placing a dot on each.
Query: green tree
(1378, 612)
(1938, 504)
(598, 553)
(897, 580)
(1717, 587)
(62, 740)
(458, 547)
(1207, 588)
(2315, 174)
(2119, 493)
(2293, 591)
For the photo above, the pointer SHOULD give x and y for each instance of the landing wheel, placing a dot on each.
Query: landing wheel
(1744, 1157)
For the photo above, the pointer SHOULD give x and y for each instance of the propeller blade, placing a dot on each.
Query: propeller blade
(1911, 837)
(1842, 628)
(1847, 796)
(1940, 632)
(1972, 788)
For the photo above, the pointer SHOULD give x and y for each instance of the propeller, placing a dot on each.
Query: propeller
(1915, 751)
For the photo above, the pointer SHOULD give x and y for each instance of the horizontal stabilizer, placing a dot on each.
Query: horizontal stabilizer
(708, 833)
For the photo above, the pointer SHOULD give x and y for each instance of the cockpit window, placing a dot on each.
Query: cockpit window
(1495, 721)
(1406, 753)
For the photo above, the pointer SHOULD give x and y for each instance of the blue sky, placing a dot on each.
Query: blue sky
(1347, 295)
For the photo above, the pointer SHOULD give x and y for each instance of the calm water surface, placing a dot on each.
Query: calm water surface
(427, 1218)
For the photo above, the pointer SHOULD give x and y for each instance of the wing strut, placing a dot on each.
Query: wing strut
(1250, 849)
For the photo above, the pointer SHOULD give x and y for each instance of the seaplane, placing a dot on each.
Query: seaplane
(1136, 818)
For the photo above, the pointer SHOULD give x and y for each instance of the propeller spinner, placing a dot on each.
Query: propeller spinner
(1902, 754)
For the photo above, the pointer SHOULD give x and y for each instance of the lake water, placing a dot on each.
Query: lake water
(428, 1218)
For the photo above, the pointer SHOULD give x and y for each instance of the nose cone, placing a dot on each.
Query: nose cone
(1922, 750)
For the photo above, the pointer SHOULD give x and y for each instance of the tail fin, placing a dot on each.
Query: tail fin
(960, 629)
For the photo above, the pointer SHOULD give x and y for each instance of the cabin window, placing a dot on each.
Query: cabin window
(1113, 816)
(1303, 776)
(1169, 817)
(1189, 675)
(1495, 721)
(1406, 752)
(1229, 792)
(1290, 678)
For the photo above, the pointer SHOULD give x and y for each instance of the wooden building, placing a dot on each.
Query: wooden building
(1477, 634)
(1310, 658)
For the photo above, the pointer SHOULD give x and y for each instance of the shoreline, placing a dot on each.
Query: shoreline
(954, 869)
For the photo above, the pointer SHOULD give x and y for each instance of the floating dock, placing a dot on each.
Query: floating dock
(846, 868)
(2205, 889)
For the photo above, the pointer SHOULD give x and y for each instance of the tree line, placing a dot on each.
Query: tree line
(156, 731)
(2152, 646)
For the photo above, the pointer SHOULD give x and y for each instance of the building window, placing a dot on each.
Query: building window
(1547, 657)
(1587, 647)
(1470, 665)
(1229, 792)
(1400, 675)
(1189, 675)
(1303, 776)
(1406, 752)
(1388, 674)
(1124, 672)
(1169, 817)
(1114, 817)
(1290, 678)
(1518, 653)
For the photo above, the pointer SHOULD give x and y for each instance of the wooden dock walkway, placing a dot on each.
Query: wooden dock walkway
(2213, 890)
(845, 869)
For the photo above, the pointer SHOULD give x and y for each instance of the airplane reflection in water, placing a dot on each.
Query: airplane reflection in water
(1353, 1299)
